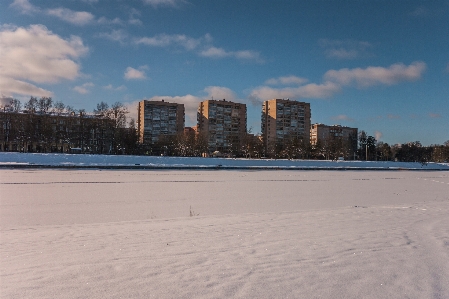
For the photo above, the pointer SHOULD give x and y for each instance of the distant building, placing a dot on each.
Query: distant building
(339, 137)
(283, 120)
(223, 124)
(324, 132)
(159, 118)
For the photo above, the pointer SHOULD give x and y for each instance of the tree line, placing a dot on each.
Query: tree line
(43, 125)
(362, 147)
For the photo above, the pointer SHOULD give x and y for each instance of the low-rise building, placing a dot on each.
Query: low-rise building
(27, 131)
(337, 139)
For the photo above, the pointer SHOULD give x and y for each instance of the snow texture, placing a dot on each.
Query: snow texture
(223, 234)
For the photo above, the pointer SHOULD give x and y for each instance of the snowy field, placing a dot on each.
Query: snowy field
(223, 234)
(113, 161)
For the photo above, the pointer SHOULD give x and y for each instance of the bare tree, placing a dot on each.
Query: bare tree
(15, 105)
(118, 114)
(59, 108)
(44, 104)
(102, 109)
(70, 110)
(31, 105)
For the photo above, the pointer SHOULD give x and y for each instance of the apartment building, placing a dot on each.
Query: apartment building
(283, 120)
(223, 123)
(322, 132)
(159, 118)
(339, 137)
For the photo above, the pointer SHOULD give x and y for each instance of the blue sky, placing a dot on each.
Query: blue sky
(380, 66)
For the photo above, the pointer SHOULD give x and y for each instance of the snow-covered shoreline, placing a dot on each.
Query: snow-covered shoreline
(33, 160)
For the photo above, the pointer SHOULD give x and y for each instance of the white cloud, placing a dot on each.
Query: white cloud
(79, 18)
(334, 80)
(247, 54)
(38, 55)
(10, 86)
(202, 44)
(155, 3)
(115, 35)
(133, 20)
(370, 76)
(287, 80)
(135, 74)
(25, 6)
(447, 68)
(345, 49)
(132, 110)
(378, 135)
(214, 52)
(74, 17)
(84, 89)
(165, 40)
(220, 93)
(311, 90)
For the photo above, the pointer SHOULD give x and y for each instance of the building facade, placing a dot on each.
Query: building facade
(284, 120)
(159, 118)
(50, 132)
(338, 140)
(223, 125)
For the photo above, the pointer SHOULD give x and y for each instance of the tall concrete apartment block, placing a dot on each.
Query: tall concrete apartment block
(157, 118)
(282, 119)
(223, 124)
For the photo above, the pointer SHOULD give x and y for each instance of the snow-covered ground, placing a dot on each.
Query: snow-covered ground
(223, 234)
(67, 160)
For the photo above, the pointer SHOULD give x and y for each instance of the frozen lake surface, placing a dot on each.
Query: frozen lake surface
(224, 234)
(8, 159)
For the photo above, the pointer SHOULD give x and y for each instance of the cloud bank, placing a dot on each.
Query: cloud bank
(335, 80)
(370, 76)
(311, 90)
(202, 45)
(78, 18)
(37, 55)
